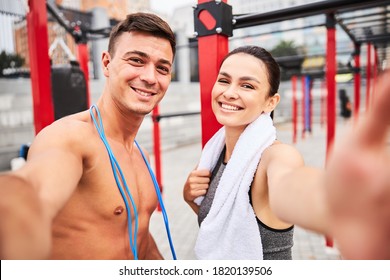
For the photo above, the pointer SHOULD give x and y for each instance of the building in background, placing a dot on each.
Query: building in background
(62, 46)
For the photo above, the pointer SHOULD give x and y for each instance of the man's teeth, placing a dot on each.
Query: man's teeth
(230, 107)
(143, 93)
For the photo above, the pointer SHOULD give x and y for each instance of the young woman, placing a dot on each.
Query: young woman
(249, 188)
(237, 190)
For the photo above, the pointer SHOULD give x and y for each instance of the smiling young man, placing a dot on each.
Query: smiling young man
(69, 201)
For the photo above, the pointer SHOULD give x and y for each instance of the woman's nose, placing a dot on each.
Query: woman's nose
(230, 92)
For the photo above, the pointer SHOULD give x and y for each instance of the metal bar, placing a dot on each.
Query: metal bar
(39, 65)
(357, 79)
(331, 67)
(212, 49)
(353, 17)
(368, 76)
(346, 30)
(157, 150)
(83, 60)
(56, 13)
(303, 107)
(384, 38)
(294, 108)
(323, 7)
(159, 117)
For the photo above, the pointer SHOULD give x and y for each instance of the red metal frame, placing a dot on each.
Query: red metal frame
(311, 104)
(40, 71)
(331, 89)
(368, 76)
(303, 101)
(157, 148)
(83, 56)
(294, 108)
(331, 84)
(212, 49)
(323, 104)
(357, 81)
(375, 72)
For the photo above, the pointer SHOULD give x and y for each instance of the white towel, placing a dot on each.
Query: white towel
(230, 229)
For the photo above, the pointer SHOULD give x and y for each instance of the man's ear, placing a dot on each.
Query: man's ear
(106, 58)
(273, 101)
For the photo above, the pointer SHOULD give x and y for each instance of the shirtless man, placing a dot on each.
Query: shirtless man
(64, 203)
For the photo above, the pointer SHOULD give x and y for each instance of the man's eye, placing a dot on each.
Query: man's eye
(136, 60)
(163, 70)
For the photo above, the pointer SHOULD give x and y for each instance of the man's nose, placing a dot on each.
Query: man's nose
(148, 74)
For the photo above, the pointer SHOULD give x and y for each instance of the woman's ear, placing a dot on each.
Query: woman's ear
(106, 58)
(273, 101)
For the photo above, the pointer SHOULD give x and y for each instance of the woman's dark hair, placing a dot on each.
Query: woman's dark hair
(273, 70)
(142, 22)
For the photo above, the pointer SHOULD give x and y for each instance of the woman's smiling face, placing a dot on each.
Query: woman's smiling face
(241, 91)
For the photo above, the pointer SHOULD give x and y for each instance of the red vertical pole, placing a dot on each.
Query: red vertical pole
(331, 87)
(212, 49)
(368, 76)
(331, 79)
(294, 107)
(311, 105)
(157, 148)
(323, 105)
(40, 71)
(83, 60)
(375, 72)
(357, 81)
(303, 100)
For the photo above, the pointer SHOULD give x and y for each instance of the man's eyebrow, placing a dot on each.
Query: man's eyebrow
(244, 78)
(145, 55)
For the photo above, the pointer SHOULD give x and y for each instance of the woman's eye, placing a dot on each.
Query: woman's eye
(247, 86)
(223, 81)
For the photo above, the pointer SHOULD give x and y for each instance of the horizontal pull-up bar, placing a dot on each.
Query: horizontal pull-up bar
(323, 7)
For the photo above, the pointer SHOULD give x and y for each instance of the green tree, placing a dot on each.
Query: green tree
(10, 61)
(285, 48)
(289, 57)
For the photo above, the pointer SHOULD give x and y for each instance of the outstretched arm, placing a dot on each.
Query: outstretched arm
(31, 196)
(358, 183)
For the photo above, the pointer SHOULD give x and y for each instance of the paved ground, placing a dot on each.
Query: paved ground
(177, 163)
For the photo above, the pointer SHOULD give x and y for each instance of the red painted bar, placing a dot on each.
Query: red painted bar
(311, 105)
(368, 76)
(331, 89)
(375, 72)
(331, 84)
(83, 60)
(211, 50)
(357, 82)
(323, 104)
(303, 113)
(294, 107)
(40, 71)
(157, 148)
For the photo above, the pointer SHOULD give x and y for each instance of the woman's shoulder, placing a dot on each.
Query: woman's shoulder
(279, 151)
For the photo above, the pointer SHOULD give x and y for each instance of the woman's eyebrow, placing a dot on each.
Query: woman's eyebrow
(243, 78)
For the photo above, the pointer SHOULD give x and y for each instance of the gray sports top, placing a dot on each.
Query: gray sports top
(277, 243)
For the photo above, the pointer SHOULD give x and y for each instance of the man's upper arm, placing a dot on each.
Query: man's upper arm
(53, 169)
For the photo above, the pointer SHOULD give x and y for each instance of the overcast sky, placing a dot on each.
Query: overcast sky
(167, 6)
